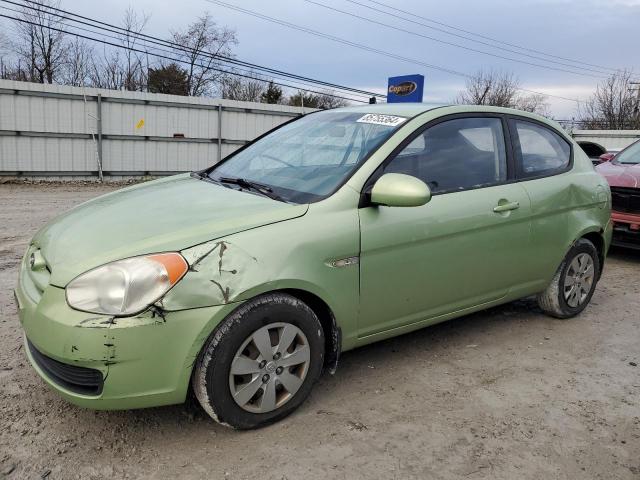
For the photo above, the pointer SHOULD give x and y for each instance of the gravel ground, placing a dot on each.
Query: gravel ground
(503, 394)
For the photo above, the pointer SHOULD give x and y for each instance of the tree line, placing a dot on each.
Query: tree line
(615, 104)
(41, 48)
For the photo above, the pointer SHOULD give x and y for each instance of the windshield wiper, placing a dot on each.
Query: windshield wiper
(251, 185)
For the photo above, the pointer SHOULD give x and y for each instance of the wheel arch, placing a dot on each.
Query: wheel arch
(332, 332)
(317, 298)
(313, 299)
(595, 235)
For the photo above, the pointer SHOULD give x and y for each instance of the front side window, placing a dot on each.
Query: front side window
(539, 151)
(454, 155)
(629, 156)
(306, 160)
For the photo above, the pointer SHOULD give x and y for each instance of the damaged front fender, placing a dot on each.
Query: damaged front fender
(219, 271)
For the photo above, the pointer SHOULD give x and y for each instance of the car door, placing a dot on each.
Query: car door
(460, 250)
(543, 161)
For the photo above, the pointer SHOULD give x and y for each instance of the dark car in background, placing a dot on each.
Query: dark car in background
(622, 171)
(596, 152)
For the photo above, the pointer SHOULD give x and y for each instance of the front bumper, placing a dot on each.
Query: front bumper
(145, 360)
(626, 229)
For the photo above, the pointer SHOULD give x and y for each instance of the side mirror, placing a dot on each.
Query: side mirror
(606, 157)
(399, 190)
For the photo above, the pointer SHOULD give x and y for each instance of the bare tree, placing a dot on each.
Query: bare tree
(41, 50)
(323, 101)
(40, 40)
(243, 89)
(107, 71)
(330, 100)
(5, 67)
(78, 65)
(135, 72)
(12, 71)
(534, 103)
(4, 41)
(123, 68)
(500, 89)
(614, 106)
(201, 42)
(489, 88)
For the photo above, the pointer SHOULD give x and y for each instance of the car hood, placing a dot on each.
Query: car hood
(164, 215)
(619, 175)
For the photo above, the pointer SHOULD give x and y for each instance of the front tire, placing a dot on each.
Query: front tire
(575, 281)
(261, 362)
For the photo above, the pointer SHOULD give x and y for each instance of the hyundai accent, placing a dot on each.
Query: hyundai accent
(244, 281)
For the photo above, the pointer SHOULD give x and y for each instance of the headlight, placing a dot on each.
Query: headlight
(126, 287)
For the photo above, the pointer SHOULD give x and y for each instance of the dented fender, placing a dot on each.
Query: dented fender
(218, 272)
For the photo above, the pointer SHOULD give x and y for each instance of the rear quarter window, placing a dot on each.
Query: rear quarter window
(539, 150)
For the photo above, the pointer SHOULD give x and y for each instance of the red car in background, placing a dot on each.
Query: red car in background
(622, 171)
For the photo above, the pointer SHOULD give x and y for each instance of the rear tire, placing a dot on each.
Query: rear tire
(573, 284)
(260, 363)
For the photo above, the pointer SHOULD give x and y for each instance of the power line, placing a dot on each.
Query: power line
(222, 58)
(430, 20)
(335, 39)
(158, 41)
(153, 50)
(457, 45)
(177, 60)
(364, 47)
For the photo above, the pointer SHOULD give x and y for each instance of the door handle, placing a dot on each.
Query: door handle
(505, 207)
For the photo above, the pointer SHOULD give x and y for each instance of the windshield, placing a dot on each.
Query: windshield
(629, 155)
(309, 158)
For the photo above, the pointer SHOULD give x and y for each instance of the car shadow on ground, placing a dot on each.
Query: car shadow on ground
(624, 254)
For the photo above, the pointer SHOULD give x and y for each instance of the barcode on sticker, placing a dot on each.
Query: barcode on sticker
(378, 119)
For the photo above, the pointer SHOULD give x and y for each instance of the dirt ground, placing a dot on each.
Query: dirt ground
(504, 394)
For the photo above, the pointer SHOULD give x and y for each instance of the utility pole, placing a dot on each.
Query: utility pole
(636, 88)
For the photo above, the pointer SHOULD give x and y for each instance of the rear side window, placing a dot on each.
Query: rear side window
(539, 151)
(455, 155)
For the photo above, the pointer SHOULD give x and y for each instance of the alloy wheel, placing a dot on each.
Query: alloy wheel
(579, 280)
(269, 367)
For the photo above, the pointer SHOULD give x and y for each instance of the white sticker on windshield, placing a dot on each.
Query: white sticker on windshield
(379, 119)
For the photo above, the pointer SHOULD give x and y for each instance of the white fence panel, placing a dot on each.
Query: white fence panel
(53, 130)
(607, 139)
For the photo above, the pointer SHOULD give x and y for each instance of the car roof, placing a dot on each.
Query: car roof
(399, 109)
(413, 109)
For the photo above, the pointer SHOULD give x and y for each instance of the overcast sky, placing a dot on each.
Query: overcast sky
(599, 32)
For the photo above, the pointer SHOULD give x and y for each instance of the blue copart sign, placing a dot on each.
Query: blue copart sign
(407, 88)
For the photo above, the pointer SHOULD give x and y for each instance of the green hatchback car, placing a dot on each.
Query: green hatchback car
(242, 282)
